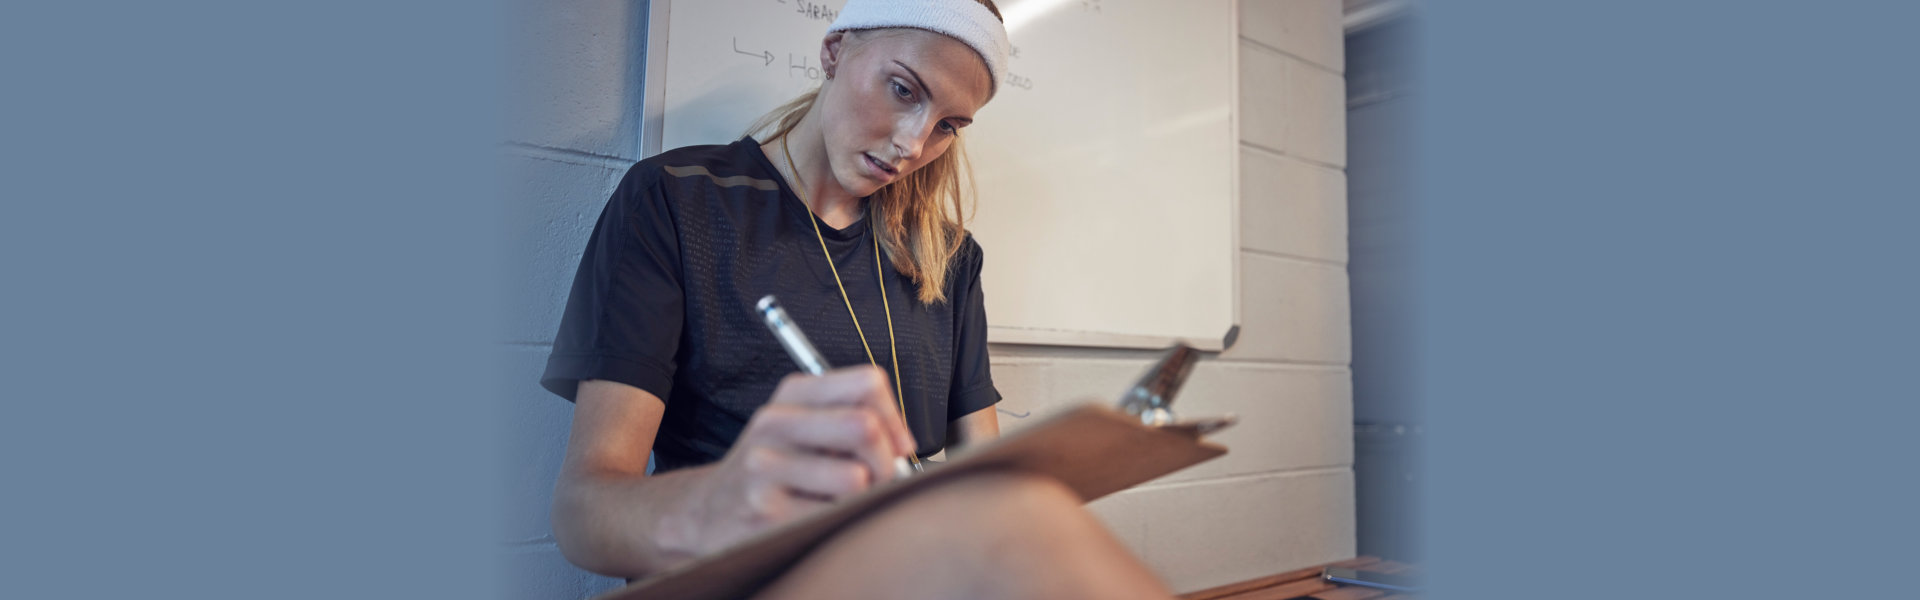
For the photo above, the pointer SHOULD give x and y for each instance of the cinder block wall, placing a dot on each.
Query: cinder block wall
(1282, 499)
(574, 127)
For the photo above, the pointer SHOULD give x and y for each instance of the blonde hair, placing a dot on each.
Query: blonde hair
(920, 218)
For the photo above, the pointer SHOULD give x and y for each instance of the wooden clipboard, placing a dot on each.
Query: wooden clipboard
(1094, 450)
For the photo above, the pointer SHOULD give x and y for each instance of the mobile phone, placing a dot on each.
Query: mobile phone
(1372, 579)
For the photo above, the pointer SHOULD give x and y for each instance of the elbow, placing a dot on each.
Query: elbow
(581, 534)
(591, 558)
(563, 518)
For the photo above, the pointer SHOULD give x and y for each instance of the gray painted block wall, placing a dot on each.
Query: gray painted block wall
(1389, 427)
(1282, 499)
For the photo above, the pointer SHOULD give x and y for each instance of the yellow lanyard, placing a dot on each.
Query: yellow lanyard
(879, 275)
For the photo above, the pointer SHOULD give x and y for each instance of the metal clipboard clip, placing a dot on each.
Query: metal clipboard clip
(1151, 398)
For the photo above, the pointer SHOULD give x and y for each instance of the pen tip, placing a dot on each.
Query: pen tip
(766, 302)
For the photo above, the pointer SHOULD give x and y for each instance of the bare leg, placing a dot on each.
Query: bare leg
(992, 535)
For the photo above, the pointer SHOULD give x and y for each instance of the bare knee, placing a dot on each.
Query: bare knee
(1034, 534)
(988, 535)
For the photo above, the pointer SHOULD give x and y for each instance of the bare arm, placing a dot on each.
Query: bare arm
(978, 427)
(605, 469)
(817, 439)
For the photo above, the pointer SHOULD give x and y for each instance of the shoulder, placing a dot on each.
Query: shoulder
(967, 261)
(697, 165)
(662, 182)
(969, 249)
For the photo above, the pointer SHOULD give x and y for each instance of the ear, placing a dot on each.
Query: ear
(831, 50)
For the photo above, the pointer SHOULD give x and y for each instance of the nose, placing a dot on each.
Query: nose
(910, 139)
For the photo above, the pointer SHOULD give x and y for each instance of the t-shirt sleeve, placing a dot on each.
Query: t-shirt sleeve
(625, 311)
(972, 374)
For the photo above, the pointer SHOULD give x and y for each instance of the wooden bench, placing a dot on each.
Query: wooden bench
(1306, 583)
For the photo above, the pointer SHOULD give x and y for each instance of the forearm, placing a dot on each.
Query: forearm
(817, 439)
(627, 524)
(975, 428)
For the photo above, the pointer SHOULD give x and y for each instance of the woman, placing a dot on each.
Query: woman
(849, 211)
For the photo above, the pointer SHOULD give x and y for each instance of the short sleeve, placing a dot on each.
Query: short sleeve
(625, 310)
(972, 374)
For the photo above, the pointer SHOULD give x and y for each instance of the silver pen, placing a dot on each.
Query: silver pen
(808, 357)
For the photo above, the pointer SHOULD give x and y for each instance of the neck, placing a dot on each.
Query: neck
(812, 175)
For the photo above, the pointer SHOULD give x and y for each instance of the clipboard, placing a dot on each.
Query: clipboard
(1094, 450)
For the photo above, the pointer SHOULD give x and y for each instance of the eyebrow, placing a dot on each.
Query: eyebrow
(916, 79)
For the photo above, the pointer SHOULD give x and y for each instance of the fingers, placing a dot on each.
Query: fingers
(771, 504)
(818, 439)
(812, 477)
(782, 486)
(863, 386)
(854, 433)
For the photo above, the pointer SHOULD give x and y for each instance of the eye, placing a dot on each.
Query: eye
(901, 90)
(947, 126)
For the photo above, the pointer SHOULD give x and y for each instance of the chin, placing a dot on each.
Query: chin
(858, 186)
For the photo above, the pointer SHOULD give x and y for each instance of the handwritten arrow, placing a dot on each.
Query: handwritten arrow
(768, 55)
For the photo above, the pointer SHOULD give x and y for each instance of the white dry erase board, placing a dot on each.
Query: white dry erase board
(1107, 166)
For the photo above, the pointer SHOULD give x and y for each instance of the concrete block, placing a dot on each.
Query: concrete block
(1023, 385)
(1266, 98)
(539, 571)
(1204, 534)
(533, 431)
(1078, 380)
(1033, 388)
(575, 71)
(1291, 417)
(1309, 29)
(1293, 311)
(552, 206)
(1290, 107)
(1319, 130)
(1292, 207)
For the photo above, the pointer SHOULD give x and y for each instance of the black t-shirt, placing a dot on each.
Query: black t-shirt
(664, 301)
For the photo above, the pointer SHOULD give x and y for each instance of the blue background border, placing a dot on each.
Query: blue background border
(1667, 298)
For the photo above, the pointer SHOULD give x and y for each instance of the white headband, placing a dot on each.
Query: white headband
(966, 20)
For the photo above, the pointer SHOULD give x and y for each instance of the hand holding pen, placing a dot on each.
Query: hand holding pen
(818, 439)
(811, 362)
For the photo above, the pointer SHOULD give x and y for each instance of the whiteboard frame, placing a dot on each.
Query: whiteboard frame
(653, 117)
(653, 103)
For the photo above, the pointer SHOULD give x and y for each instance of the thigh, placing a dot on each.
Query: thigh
(990, 535)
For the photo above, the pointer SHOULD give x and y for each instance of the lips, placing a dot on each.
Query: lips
(886, 171)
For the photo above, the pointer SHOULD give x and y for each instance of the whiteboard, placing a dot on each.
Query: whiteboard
(1107, 165)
